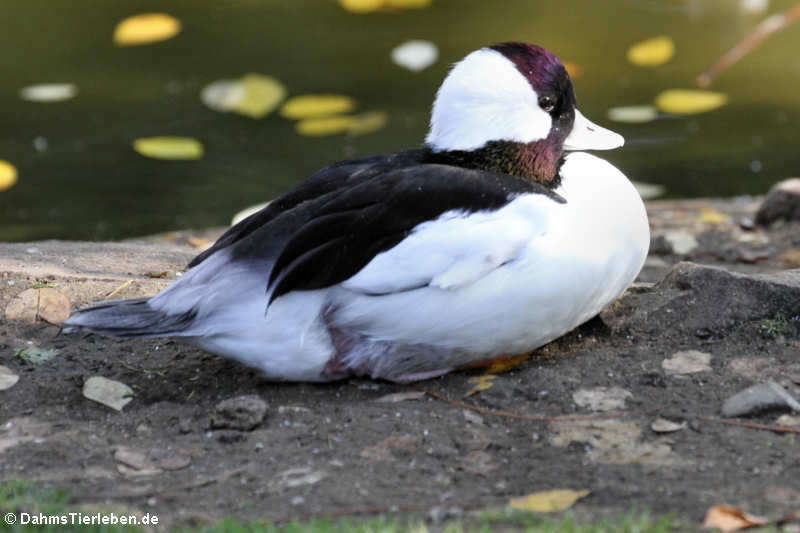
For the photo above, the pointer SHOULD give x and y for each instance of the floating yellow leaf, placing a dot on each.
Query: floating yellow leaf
(406, 4)
(48, 92)
(361, 6)
(169, 147)
(415, 55)
(481, 383)
(316, 105)
(632, 114)
(8, 175)
(262, 94)
(549, 501)
(320, 127)
(368, 122)
(652, 52)
(711, 216)
(573, 69)
(146, 28)
(689, 101)
(728, 518)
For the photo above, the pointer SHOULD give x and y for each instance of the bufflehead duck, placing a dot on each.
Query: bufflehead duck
(493, 239)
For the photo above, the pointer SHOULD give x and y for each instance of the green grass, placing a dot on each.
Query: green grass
(18, 496)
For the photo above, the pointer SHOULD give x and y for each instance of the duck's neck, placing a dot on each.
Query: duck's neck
(538, 161)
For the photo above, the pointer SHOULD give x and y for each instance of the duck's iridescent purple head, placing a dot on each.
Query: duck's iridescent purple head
(515, 92)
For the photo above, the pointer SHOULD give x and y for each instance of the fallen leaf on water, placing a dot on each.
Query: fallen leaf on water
(252, 95)
(262, 94)
(246, 212)
(728, 518)
(415, 55)
(649, 191)
(8, 175)
(548, 501)
(687, 362)
(37, 355)
(689, 101)
(169, 147)
(711, 216)
(652, 52)
(46, 303)
(633, 114)
(361, 6)
(319, 127)
(7, 378)
(406, 4)
(368, 122)
(573, 69)
(316, 105)
(48, 92)
(481, 383)
(111, 393)
(401, 397)
(146, 28)
(602, 398)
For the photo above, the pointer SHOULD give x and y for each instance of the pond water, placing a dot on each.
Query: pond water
(79, 178)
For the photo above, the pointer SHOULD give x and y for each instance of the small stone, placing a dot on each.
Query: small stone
(758, 398)
(169, 459)
(440, 514)
(112, 393)
(662, 425)
(788, 420)
(242, 413)
(7, 378)
(782, 202)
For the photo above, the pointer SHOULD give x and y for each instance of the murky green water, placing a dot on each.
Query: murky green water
(80, 179)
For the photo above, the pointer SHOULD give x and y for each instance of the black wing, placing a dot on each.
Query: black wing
(339, 175)
(343, 230)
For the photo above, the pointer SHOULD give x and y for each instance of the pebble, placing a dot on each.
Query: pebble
(782, 202)
(243, 413)
(761, 397)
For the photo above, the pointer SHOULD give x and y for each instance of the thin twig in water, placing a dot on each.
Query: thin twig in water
(767, 27)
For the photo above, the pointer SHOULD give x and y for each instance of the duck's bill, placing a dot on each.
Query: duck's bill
(586, 135)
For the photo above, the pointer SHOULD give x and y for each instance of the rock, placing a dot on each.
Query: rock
(681, 242)
(112, 393)
(706, 301)
(242, 413)
(758, 398)
(7, 378)
(46, 303)
(662, 425)
(782, 202)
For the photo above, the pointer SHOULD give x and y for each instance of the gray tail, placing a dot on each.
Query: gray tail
(128, 318)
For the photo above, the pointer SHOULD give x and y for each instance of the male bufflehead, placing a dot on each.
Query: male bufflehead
(494, 238)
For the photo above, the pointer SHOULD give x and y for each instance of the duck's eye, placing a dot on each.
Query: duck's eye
(547, 104)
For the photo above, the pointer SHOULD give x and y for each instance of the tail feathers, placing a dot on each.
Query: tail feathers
(128, 318)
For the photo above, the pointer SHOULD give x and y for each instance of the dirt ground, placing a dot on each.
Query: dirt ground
(347, 447)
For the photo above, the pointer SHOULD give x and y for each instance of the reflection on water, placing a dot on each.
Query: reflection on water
(79, 176)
